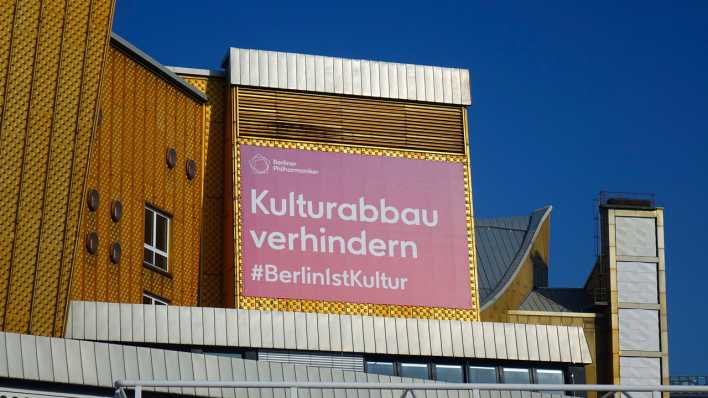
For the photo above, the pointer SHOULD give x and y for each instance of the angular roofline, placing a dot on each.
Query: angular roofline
(522, 259)
(156, 67)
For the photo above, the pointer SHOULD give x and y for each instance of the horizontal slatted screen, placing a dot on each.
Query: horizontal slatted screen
(290, 115)
(322, 361)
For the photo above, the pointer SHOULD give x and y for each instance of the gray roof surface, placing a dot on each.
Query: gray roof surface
(555, 300)
(502, 245)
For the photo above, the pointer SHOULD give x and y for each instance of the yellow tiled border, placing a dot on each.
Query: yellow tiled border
(276, 304)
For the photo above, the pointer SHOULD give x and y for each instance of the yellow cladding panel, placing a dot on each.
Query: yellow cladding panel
(142, 116)
(211, 292)
(50, 73)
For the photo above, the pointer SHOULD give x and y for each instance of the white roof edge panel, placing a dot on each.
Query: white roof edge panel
(253, 323)
(180, 70)
(354, 82)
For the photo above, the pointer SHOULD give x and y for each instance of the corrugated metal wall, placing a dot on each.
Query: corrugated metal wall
(360, 77)
(64, 361)
(51, 60)
(325, 332)
(288, 115)
(142, 116)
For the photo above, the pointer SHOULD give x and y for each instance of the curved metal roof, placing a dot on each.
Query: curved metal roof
(502, 246)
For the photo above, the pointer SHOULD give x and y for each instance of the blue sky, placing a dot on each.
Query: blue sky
(569, 99)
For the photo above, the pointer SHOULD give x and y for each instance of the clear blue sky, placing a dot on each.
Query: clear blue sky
(569, 98)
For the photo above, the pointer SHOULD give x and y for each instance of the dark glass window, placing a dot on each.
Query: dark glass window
(153, 300)
(482, 374)
(415, 370)
(516, 376)
(380, 368)
(550, 376)
(449, 373)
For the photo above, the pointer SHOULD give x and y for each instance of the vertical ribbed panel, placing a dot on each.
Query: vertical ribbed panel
(333, 333)
(51, 61)
(349, 76)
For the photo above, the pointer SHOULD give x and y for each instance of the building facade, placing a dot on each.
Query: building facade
(287, 217)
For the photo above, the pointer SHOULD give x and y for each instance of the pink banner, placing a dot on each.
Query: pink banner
(353, 228)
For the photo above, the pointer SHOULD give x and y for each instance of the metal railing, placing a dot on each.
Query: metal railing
(405, 388)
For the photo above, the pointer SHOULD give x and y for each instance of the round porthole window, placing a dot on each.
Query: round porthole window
(116, 210)
(191, 169)
(92, 199)
(171, 158)
(92, 242)
(115, 253)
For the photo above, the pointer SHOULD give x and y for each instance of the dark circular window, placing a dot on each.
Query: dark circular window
(92, 242)
(191, 169)
(115, 253)
(171, 158)
(92, 199)
(116, 210)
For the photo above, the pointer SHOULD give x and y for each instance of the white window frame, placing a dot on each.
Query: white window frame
(154, 300)
(153, 248)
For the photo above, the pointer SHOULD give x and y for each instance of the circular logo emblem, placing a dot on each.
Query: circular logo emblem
(259, 164)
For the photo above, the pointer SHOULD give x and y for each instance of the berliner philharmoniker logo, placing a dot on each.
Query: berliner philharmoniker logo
(259, 164)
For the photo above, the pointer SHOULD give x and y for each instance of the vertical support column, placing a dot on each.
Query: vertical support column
(639, 334)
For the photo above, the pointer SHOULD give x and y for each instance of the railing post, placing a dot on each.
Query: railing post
(405, 393)
(138, 391)
(475, 393)
(293, 392)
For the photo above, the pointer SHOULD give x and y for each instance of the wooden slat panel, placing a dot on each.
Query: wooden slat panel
(266, 113)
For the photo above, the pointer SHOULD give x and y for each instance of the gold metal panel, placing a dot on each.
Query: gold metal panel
(211, 292)
(261, 303)
(50, 73)
(142, 116)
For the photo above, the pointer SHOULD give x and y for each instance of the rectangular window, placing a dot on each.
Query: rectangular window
(414, 370)
(516, 376)
(157, 238)
(153, 300)
(482, 374)
(550, 376)
(380, 368)
(449, 373)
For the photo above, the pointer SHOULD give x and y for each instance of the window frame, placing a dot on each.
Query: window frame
(414, 364)
(368, 362)
(155, 299)
(494, 368)
(436, 365)
(155, 211)
(516, 369)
